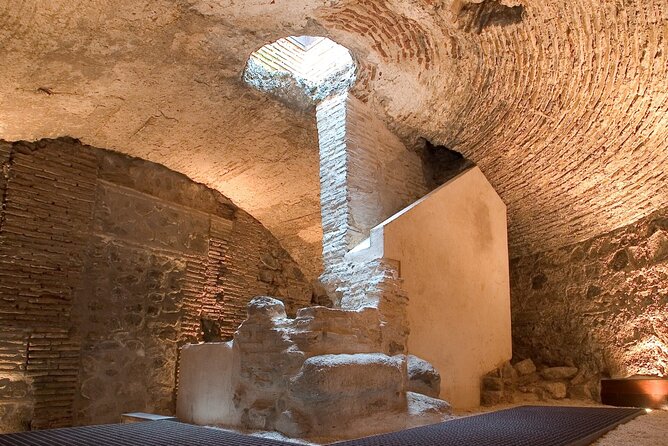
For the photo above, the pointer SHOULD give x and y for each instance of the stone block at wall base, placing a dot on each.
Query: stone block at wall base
(526, 382)
(330, 391)
(206, 384)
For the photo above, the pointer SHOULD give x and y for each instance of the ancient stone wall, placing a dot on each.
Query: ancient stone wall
(108, 264)
(600, 305)
(562, 104)
(377, 284)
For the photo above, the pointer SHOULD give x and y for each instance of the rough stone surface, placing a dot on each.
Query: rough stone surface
(423, 377)
(107, 265)
(492, 397)
(561, 104)
(601, 305)
(559, 372)
(507, 385)
(492, 383)
(362, 384)
(525, 367)
(321, 375)
(580, 392)
(556, 390)
(272, 350)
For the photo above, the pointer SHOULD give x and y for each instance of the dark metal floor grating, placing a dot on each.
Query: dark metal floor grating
(520, 426)
(150, 433)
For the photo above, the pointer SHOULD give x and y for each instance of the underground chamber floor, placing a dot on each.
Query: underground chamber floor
(520, 426)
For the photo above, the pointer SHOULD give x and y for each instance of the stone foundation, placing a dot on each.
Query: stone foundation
(526, 382)
(291, 368)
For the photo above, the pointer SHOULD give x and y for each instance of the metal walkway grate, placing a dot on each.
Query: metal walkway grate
(520, 426)
(150, 433)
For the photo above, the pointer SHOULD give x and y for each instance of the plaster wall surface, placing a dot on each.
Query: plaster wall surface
(452, 251)
(107, 265)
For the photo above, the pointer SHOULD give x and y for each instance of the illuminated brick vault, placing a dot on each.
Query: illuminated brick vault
(195, 183)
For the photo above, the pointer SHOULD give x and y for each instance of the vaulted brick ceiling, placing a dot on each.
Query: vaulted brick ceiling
(563, 104)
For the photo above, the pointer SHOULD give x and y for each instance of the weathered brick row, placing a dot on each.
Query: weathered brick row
(395, 37)
(24, 239)
(43, 281)
(28, 170)
(56, 159)
(67, 186)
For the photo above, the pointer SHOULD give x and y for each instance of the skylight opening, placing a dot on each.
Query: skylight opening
(314, 67)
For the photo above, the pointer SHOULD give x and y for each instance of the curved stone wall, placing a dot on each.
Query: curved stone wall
(108, 264)
(600, 305)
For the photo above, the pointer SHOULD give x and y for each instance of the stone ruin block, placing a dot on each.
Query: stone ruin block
(331, 391)
(308, 376)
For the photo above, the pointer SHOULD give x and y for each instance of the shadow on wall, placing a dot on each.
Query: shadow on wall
(108, 265)
(442, 164)
(476, 17)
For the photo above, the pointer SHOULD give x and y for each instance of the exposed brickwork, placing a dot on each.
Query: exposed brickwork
(564, 106)
(5, 152)
(192, 292)
(383, 176)
(53, 366)
(561, 104)
(48, 206)
(256, 265)
(366, 75)
(16, 402)
(564, 111)
(395, 37)
(601, 305)
(108, 264)
(366, 176)
(214, 291)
